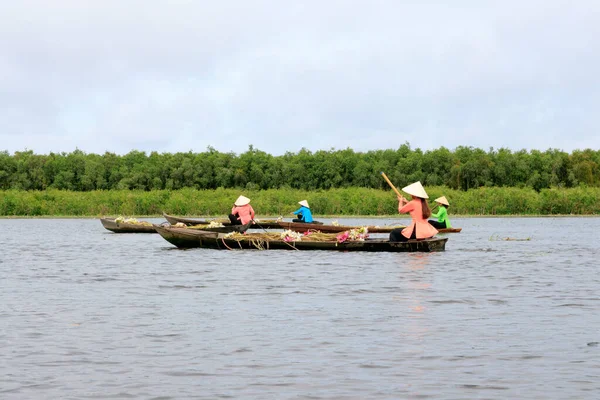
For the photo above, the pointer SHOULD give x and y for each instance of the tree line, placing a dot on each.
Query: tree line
(460, 169)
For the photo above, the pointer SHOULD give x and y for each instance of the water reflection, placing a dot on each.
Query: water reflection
(417, 280)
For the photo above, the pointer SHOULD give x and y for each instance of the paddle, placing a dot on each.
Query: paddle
(391, 184)
(259, 225)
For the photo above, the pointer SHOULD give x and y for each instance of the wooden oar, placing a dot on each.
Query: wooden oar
(391, 184)
(260, 226)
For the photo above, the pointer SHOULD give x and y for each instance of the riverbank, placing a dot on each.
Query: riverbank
(272, 217)
(349, 202)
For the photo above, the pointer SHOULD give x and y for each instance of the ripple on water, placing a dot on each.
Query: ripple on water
(130, 316)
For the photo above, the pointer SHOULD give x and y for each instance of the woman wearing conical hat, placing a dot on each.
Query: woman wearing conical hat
(304, 214)
(242, 212)
(419, 211)
(442, 214)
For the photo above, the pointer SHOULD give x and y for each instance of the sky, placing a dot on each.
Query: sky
(183, 75)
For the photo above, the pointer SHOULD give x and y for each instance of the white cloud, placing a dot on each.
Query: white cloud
(183, 75)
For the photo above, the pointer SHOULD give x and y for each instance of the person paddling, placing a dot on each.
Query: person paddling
(242, 212)
(442, 214)
(303, 213)
(419, 212)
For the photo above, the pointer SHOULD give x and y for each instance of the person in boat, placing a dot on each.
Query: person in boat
(419, 211)
(442, 214)
(303, 213)
(242, 212)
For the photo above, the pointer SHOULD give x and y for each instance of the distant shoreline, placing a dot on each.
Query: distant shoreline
(334, 203)
(317, 217)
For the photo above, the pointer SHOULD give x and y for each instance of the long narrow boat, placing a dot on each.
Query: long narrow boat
(189, 221)
(208, 228)
(146, 227)
(188, 238)
(299, 226)
(302, 227)
(125, 227)
(192, 221)
(449, 230)
(266, 224)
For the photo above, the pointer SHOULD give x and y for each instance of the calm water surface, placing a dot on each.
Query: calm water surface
(89, 314)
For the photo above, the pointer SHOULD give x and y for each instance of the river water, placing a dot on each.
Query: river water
(89, 314)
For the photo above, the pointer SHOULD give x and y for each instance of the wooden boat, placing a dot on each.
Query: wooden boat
(123, 227)
(302, 227)
(298, 226)
(188, 238)
(192, 221)
(449, 230)
(146, 227)
(266, 224)
(218, 229)
(189, 221)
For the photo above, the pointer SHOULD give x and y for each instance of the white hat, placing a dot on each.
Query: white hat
(442, 200)
(304, 203)
(242, 201)
(416, 189)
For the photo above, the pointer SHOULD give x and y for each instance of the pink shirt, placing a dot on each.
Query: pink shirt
(424, 229)
(245, 213)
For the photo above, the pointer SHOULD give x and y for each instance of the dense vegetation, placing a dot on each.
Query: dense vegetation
(461, 169)
(336, 182)
(273, 202)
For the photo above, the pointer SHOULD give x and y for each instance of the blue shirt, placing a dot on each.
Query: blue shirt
(306, 214)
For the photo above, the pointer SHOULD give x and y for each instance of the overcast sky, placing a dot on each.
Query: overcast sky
(181, 75)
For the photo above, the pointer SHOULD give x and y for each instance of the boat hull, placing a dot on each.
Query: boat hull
(298, 226)
(219, 229)
(302, 227)
(188, 221)
(186, 238)
(192, 221)
(121, 227)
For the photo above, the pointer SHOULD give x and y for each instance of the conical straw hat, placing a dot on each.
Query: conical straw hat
(416, 189)
(304, 203)
(442, 200)
(242, 201)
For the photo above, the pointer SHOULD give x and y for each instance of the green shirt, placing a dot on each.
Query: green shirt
(442, 216)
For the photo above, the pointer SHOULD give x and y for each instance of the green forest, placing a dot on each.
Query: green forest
(335, 182)
(463, 168)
